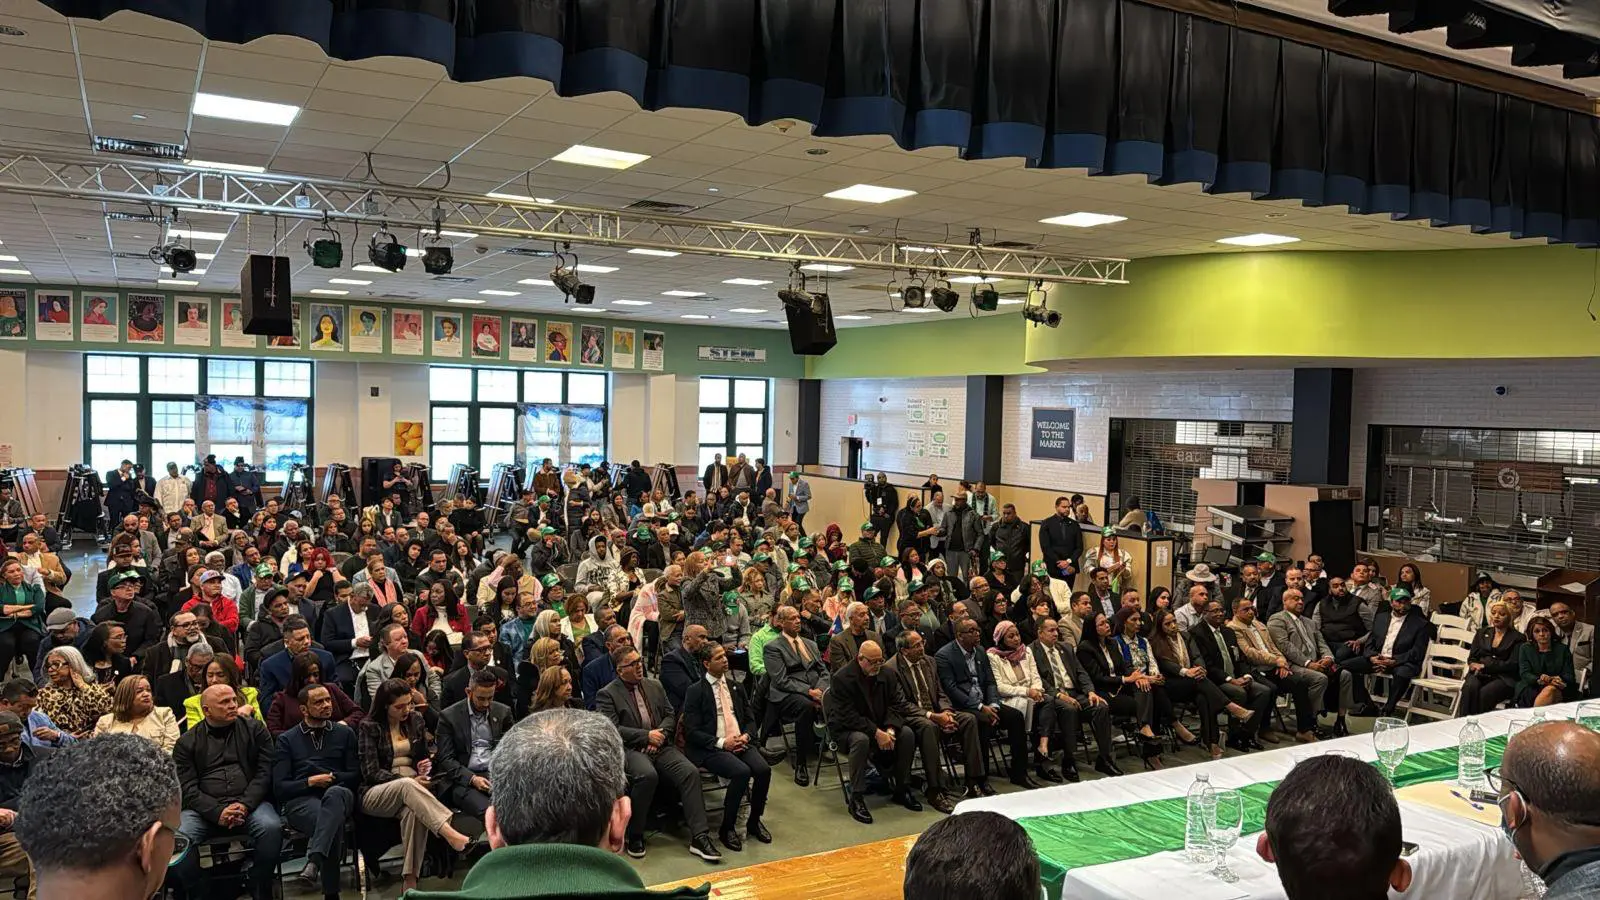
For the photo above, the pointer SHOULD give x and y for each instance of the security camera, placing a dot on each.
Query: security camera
(1500, 390)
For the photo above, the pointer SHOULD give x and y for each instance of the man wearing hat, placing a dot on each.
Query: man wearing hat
(1267, 567)
(868, 550)
(62, 628)
(1397, 648)
(17, 762)
(244, 487)
(548, 553)
(224, 611)
(1201, 574)
(123, 606)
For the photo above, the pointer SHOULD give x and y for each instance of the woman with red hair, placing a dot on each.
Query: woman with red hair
(323, 573)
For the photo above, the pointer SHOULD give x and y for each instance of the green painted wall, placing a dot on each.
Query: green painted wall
(1452, 304)
(954, 344)
(681, 343)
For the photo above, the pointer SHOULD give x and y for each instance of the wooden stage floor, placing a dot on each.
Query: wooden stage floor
(864, 872)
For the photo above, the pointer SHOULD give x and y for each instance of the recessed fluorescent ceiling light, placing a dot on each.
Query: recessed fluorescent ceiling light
(825, 267)
(1259, 240)
(15, 272)
(224, 166)
(683, 293)
(1010, 301)
(513, 198)
(238, 109)
(646, 251)
(177, 282)
(1083, 220)
(910, 249)
(205, 256)
(630, 303)
(328, 293)
(599, 157)
(868, 193)
(919, 309)
(595, 270)
(458, 234)
(742, 309)
(974, 279)
(746, 282)
(364, 267)
(541, 282)
(467, 301)
(492, 293)
(355, 281)
(9, 259)
(853, 318)
(694, 316)
(197, 235)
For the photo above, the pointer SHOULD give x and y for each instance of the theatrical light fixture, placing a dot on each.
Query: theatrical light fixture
(915, 294)
(386, 252)
(326, 252)
(1039, 313)
(943, 296)
(438, 260)
(175, 256)
(565, 277)
(985, 298)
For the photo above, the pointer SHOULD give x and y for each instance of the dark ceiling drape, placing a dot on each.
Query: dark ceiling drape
(1112, 86)
(1562, 33)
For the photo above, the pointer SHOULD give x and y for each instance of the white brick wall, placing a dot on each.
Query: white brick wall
(1554, 395)
(879, 405)
(1251, 396)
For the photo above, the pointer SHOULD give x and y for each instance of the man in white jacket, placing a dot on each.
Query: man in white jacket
(172, 490)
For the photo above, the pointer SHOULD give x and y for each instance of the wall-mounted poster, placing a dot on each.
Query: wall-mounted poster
(99, 325)
(289, 341)
(485, 337)
(558, 342)
(327, 326)
(446, 335)
(622, 353)
(592, 345)
(366, 329)
(194, 322)
(655, 351)
(406, 332)
(14, 315)
(232, 331)
(53, 318)
(524, 340)
(147, 319)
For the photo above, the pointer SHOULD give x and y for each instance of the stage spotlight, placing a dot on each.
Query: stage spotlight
(389, 255)
(571, 286)
(178, 258)
(325, 252)
(1041, 315)
(944, 297)
(438, 260)
(914, 296)
(985, 298)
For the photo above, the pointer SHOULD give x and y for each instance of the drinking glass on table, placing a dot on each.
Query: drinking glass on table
(1589, 714)
(1391, 738)
(1224, 830)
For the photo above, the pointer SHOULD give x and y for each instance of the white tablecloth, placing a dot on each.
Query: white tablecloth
(1456, 857)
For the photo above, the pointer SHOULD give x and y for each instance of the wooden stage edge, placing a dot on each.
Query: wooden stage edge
(872, 871)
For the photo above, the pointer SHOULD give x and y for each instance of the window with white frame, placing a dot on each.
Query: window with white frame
(476, 421)
(733, 417)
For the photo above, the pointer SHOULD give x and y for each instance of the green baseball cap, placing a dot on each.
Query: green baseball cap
(550, 580)
(886, 562)
(807, 543)
(723, 571)
(730, 596)
(546, 531)
(872, 591)
(1038, 570)
(996, 556)
(840, 565)
(760, 558)
(124, 575)
(846, 584)
(914, 585)
(1108, 531)
(801, 584)
(674, 516)
(544, 500)
(793, 568)
(263, 570)
(868, 526)
(642, 534)
(1399, 593)
(1267, 558)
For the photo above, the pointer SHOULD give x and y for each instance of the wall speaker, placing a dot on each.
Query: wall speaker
(811, 326)
(264, 290)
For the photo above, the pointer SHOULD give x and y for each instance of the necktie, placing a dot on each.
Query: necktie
(922, 688)
(730, 725)
(1227, 661)
(800, 649)
(644, 707)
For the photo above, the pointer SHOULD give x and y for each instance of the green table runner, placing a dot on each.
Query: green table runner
(1097, 836)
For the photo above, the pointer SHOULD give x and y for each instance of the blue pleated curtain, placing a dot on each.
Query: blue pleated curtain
(1112, 86)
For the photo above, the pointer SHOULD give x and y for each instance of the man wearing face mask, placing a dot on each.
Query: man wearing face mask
(100, 819)
(1549, 788)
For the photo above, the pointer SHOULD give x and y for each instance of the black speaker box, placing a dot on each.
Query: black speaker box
(374, 469)
(264, 288)
(811, 333)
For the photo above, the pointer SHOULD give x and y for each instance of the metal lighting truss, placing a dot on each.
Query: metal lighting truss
(185, 188)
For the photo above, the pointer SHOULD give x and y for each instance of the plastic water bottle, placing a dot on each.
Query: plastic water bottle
(1469, 756)
(1201, 812)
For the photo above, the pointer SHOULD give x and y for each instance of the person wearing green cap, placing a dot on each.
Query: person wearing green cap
(735, 630)
(999, 574)
(1397, 647)
(549, 554)
(1107, 555)
(867, 550)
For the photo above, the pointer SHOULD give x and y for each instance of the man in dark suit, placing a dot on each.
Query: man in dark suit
(1270, 603)
(946, 633)
(476, 650)
(1397, 648)
(933, 719)
(1229, 670)
(843, 647)
(965, 675)
(593, 644)
(796, 680)
(681, 668)
(869, 716)
(638, 706)
(718, 739)
(1061, 541)
(1247, 585)
(469, 730)
(1068, 688)
(277, 666)
(173, 689)
(599, 672)
(351, 644)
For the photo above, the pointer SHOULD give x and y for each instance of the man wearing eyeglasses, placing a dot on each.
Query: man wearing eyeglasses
(100, 819)
(1549, 795)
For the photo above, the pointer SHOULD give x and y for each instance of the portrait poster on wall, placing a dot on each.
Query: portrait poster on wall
(232, 331)
(53, 315)
(100, 314)
(485, 337)
(147, 319)
(366, 329)
(327, 326)
(655, 351)
(446, 335)
(289, 341)
(558, 342)
(406, 332)
(524, 339)
(592, 345)
(622, 348)
(194, 322)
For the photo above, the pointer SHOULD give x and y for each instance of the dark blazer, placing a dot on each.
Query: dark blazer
(679, 670)
(337, 630)
(1060, 540)
(959, 684)
(901, 669)
(377, 750)
(171, 691)
(453, 687)
(1270, 599)
(1107, 680)
(1501, 660)
(859, 703)
(455, 742)
(614, 703)
(1201, 641)
(788, 674)
(1411, 647)
(700, 718)
(843, 647)
(593, 645)
(1081, 684)
(278, 668)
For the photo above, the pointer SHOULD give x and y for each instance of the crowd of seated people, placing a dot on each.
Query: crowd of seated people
(315, 666)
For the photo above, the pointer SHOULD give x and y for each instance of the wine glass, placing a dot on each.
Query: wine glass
(1589, 715)
(1224, 830)
(1391, 738)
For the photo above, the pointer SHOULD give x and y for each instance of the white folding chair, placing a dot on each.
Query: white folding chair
(1455, 637)
(1442, 621)
(1436, 693)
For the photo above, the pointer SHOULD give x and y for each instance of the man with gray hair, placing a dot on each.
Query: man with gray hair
(559, 817)
(843, 647)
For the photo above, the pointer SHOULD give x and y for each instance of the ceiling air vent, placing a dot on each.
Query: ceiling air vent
(656, 206)
(1011, 245)
(135, 217)
(12, 31)
(131, 147)
(533, 252)
(456, 279)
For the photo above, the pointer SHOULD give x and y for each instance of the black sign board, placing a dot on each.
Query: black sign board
(1054, 433)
